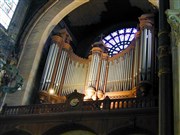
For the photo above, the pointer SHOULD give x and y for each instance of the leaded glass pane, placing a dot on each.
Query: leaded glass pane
(108, 45)
(127, 37)
(122, 37)
(114, 34)
(128, 30)
(119, 40)
(131, 37)
(134, 30)
(108, 37)
(112, 42)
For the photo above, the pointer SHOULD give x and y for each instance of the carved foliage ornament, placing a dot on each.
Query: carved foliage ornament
(174, 21)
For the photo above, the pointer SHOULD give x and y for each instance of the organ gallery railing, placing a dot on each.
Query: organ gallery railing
(99, 105)
(99, 76)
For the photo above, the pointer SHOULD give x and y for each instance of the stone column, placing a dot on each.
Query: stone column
(174, 21)
(165, 73)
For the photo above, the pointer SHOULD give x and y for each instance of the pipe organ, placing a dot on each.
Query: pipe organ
(99, 75)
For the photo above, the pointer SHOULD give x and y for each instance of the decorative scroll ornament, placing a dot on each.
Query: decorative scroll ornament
(174, 21)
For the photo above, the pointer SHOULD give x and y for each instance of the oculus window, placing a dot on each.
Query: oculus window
(7, 8)
(119, 40)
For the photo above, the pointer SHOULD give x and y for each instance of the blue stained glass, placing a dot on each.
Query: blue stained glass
(112, 42)
(108, 37)
(125, 46)
(108, 45)
(134, 30)
(116, 39)
(117, 49)
(121, 31)
(121, 46)
(122, 37)
(119, 40)
(128, 30)
(131, 37)
(127, 37)
(114, 34)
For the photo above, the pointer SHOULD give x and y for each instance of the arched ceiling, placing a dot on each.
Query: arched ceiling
(97, 17)
(102, 17)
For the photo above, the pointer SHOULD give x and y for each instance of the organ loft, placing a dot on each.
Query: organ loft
(89, 67)
(129, 74)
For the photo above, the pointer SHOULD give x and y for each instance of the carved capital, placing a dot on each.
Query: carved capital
(173, 18)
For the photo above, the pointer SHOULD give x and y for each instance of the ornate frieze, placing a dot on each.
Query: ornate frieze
(174, 21)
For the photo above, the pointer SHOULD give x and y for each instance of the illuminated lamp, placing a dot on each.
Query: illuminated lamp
(51, 91)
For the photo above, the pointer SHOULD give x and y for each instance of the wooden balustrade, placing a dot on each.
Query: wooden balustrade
(106, 104)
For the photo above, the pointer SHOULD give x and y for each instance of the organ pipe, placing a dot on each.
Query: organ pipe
(64, 71)
(103, 72)
(94, 67)
(47, 65)
(146, 26)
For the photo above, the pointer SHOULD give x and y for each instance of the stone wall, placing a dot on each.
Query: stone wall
(9, 37)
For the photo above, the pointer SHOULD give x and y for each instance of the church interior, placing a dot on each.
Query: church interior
(89, 67)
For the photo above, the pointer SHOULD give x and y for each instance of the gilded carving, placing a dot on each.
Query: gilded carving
(174, 21)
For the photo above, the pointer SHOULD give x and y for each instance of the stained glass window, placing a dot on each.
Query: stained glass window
(119, 40)
(7, 8)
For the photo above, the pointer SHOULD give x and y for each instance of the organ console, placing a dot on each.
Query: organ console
(99, 75)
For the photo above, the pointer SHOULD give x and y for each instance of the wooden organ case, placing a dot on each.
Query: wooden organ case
(129, 74)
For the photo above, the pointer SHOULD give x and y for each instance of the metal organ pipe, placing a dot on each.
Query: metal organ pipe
(103, 72)
(149, 57)
(94, 67)
(136, 61)
(47, 65)
(60, 71)
(146, 25)
(90, 70)
(52, 64)
(122, 72)
(56, 83)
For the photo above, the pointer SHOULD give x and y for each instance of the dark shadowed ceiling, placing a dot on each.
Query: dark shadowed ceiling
(98, 17)
(102, 17)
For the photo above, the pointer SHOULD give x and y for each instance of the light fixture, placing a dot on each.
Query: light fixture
(51, 91)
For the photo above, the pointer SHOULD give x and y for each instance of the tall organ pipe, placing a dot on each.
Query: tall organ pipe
(94, 67)
(146, 25)
(61, 78)
(49, 77)
(59, 42)
(103, 71)
(47, 65)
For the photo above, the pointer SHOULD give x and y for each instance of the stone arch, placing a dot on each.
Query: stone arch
(16, 132)
(33, 41)
(130, 131)
(67, 129)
